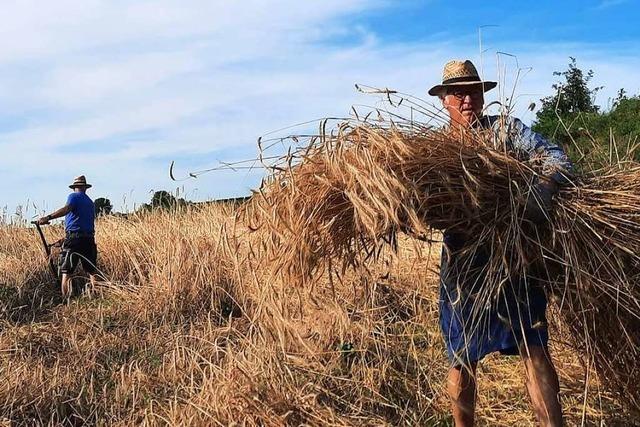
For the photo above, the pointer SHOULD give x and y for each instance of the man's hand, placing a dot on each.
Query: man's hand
(540, 201)
(57, 214)
(44, 220)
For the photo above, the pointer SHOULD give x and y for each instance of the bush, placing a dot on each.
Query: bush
(571, 118)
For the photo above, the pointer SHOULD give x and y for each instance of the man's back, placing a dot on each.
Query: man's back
(81, 216)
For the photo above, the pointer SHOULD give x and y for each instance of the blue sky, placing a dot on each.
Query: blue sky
(118, 89)
(594, 21)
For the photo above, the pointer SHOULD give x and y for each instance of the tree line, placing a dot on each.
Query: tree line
(162, 199)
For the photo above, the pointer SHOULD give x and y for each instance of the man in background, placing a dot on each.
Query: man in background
(79, 242)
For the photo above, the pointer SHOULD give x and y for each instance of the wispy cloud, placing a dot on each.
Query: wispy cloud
(606, 4)
(117, 89)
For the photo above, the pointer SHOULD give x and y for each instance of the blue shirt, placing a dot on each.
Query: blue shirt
(80, 217)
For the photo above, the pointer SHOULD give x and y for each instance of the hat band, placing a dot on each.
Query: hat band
(461, 79)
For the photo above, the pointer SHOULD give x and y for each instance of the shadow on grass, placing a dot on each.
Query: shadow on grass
(35, 299)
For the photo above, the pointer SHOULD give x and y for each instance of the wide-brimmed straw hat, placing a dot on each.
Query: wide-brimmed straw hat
(460, 73)
(80, 182)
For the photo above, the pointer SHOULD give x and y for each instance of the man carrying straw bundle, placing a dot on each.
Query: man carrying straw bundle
(79, 243)
(516, 323)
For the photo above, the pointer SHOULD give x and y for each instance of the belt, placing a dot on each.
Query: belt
(78, 234)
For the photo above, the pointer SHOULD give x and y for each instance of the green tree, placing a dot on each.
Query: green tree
(163, 199)
(565, 114)
(624, 118)
(571, 118)
(574, 95)
(103, 206)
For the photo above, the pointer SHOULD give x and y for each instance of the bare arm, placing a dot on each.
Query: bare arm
(57, 214)
(549, 183)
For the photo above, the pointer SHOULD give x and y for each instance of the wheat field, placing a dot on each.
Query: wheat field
(185, 329)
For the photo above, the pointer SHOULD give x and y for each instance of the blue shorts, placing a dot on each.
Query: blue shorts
(79, 250)
(502, 323)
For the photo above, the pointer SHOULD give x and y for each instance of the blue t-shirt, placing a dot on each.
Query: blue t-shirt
(82, 213)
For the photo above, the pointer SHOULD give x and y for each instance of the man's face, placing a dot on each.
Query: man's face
(464, 104)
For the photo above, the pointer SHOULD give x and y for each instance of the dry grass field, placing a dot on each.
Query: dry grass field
(186, 330)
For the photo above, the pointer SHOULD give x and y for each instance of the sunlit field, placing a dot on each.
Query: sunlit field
(186, 330)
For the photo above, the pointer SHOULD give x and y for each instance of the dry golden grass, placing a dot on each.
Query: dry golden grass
(188, 331)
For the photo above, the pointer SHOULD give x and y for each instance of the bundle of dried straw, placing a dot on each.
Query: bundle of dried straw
(335, 203)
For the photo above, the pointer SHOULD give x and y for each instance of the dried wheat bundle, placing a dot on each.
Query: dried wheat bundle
(343, 197)
(336, 202)
(596, 241)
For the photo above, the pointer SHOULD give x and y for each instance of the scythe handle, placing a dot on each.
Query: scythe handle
(47, 250)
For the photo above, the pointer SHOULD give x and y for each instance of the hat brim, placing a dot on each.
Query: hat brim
(438, 89)
(80, 186)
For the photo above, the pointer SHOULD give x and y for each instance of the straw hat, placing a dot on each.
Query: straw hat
(460, 73)
(80, 182)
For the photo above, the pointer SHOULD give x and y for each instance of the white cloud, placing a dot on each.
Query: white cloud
(115, 89)
(606, 4)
